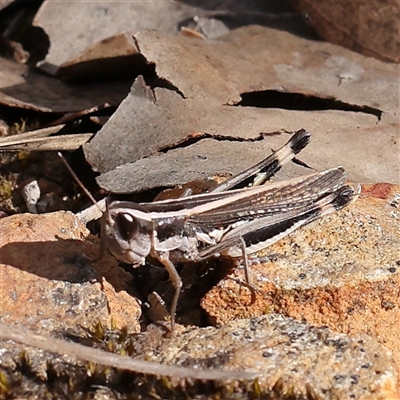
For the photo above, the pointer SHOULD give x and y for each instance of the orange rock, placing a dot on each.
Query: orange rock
(48, 282)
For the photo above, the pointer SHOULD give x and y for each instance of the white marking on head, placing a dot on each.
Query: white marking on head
(127, 216)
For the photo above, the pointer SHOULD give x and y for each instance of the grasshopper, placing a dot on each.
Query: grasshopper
(238, 218)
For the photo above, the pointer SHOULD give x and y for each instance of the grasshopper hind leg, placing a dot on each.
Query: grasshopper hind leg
(260, 173)
(176, 282)
(247, 283)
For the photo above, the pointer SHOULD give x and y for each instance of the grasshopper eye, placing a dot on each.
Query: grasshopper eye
(127, 225)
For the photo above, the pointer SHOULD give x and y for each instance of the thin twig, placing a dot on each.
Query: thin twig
(93, 212)
(22, 335)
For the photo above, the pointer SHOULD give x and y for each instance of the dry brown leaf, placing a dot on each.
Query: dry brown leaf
(23, 137)
(104, 50)
(54, 143)
(113, 57)
(5, 3)
(368, 27)
(214, 98)
(26, 88)
(67, 25)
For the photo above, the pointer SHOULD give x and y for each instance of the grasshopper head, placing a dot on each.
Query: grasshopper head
(127, 232)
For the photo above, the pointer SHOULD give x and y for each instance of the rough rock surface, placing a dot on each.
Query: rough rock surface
(291, 357)
(48, 282)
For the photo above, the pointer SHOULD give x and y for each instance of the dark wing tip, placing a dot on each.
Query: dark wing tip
(345, 196)
(299, 140)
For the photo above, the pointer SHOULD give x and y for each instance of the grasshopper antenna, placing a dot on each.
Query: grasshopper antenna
(93, 212)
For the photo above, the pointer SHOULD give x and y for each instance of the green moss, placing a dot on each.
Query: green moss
(6, 189)
(4, 384)
(24, 125)
(256, 389)
(24, 363)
